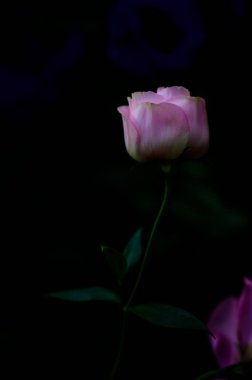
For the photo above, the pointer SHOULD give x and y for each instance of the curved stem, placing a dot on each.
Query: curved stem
(120, 348)
(147, 250)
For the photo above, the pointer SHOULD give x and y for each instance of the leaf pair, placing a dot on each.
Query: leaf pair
(158, 314)
(121, 262)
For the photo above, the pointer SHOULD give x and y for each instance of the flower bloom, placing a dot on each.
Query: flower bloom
(231, 325)
(164, 125)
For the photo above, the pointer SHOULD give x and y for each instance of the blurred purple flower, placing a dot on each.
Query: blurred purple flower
(231, 324)
(130, 48)
(38, 78)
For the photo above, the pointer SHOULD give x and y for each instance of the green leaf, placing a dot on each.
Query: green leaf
(201, 207)
(168, 316)
(87, 294)
(232, 372)
(116, 261)
(133, 250)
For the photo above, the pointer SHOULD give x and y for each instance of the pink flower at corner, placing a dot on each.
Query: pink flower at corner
(231, 325)
(164, 125)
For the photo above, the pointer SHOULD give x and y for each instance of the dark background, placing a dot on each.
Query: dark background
(68, 185)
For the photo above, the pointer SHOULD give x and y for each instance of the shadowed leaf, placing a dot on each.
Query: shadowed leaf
(87, 294)
(240, 371)
(133, 250)
(168, 316)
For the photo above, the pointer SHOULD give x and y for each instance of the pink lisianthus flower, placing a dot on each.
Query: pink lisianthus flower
(164, 125)
(231, 325)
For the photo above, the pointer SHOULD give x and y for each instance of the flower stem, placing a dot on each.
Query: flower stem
(147, 250)
(145, 257)
(120, 348)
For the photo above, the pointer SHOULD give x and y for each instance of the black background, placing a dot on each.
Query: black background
(68, 185)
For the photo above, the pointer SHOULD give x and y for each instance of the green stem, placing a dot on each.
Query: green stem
(147, 250)
(120, 348)
(145, 257)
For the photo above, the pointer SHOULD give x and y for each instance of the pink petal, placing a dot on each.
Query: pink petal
(223, 323)
(195, 110)
(144, 97)
(174, 92)
(163, 130)
(123, 110)
(245, 314)
(131, 135)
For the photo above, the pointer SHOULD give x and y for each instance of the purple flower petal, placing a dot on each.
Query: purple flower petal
(245, 315)
(223, 323)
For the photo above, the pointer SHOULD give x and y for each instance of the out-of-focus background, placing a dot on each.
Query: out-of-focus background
(68, 185)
